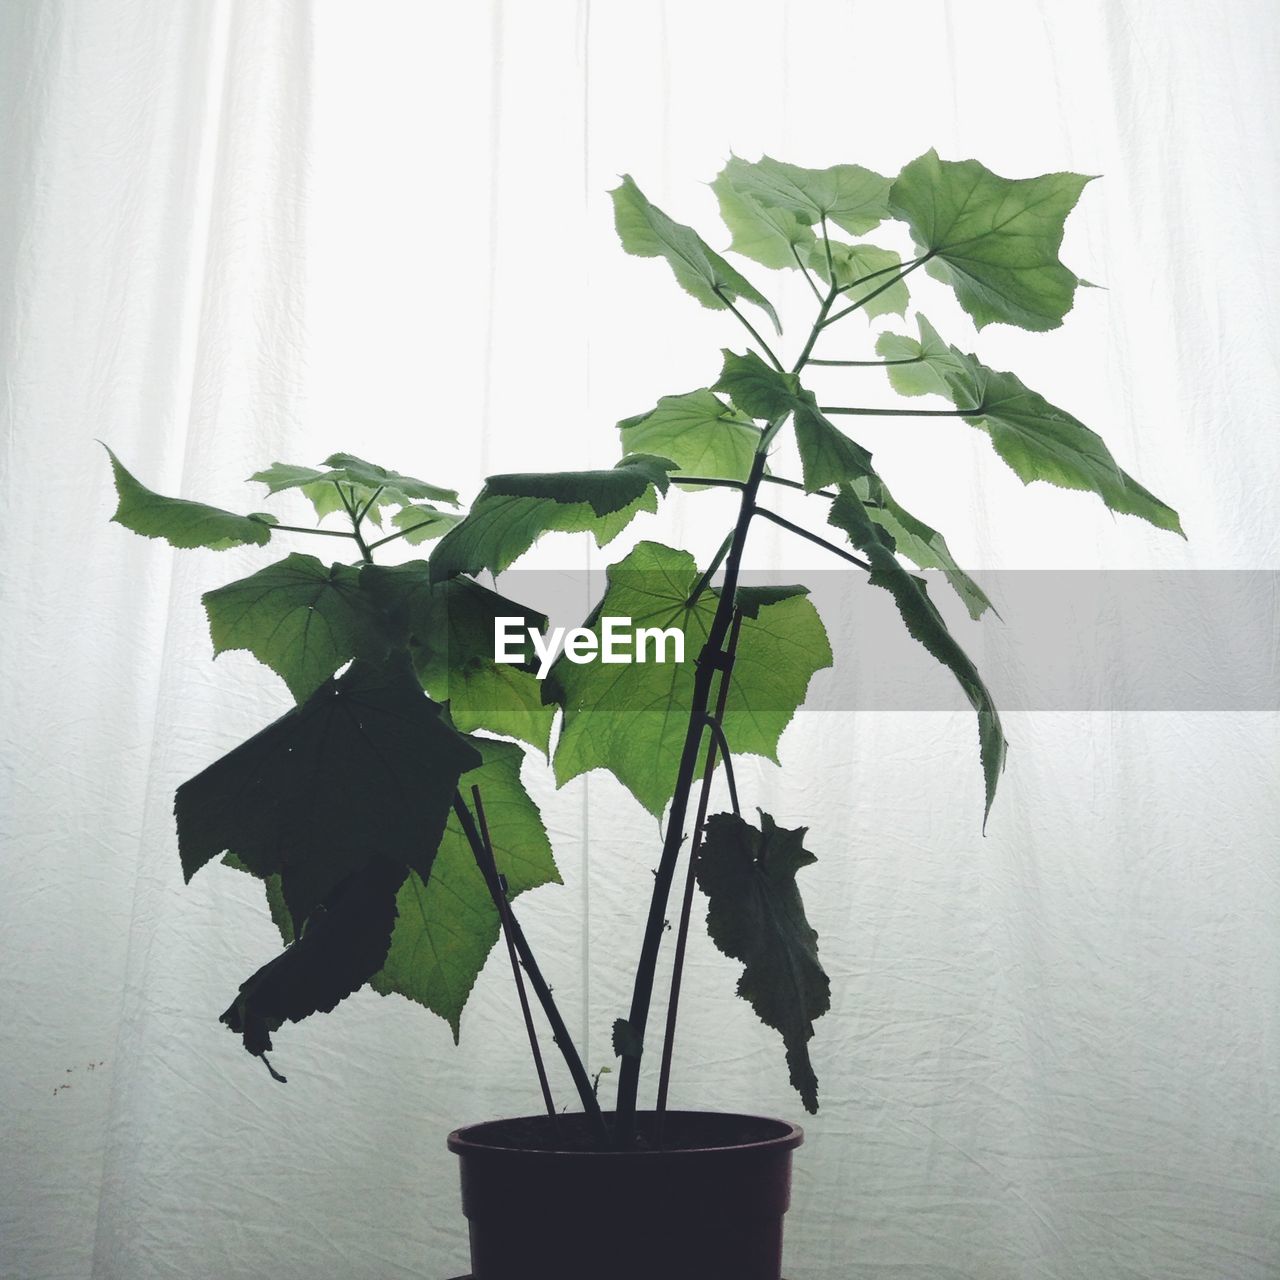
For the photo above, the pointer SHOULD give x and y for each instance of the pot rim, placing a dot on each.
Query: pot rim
(466, 1140)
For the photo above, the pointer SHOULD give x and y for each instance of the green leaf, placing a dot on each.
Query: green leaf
(755, 915)
(935, 362)
(994, 240)
(364, 767)
(647, 232)
(361, 479)
(300, 618)
(701, 434)
(773, 237)
(827, 455)
(851, 262)
(628, 718)
(450, 630)
(1037, 439)
(182, 523)
(422, 522)
(852, 197)
(513, 511)
(448, 924)
(925, 624)
(926, 548)
(627, 1041)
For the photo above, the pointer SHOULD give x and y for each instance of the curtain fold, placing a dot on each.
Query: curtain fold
(237, 233)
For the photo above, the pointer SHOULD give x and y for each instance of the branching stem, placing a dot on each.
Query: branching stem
(813, 537)
(750, 328)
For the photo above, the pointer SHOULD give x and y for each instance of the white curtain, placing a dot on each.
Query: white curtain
(240, 232)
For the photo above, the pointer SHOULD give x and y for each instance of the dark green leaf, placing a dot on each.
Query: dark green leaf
(994, 240)
(627, 1041)
(755, 915)
(827, 455)
(275, 898)
(627, 718)
(343, 947)
(925, 624)
(449, 628)
(182, 523)
(365, 766)
(299, 617)
(852, 197)
(513, 511)
(647, 232)
(1037, 439)
(852, 262)
(701, 434)
(448, 925)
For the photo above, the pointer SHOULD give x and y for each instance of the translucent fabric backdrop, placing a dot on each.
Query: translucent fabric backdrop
(238, 232)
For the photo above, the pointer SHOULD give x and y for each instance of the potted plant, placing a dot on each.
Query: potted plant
(386, 807)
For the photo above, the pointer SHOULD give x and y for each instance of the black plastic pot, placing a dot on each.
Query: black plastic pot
(707, 1207)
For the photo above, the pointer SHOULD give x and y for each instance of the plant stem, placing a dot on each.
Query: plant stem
(400, 533)
(686, 905)
(349, 502)
(817, 293)
(826, 244)
(904, 413)
(750, 328)
(813, 537)
(795, 484)
(873, 275)
(875, 293)
(498, 892)
(827, 302)
(709, 661)
(716, 560)
(324, 533)
(368, 506)
(717, 736)
(559, 1032)
(869, 364)
(714, 482)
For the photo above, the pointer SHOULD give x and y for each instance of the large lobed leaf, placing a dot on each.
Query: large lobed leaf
(827, 455)
(631, 718)
(994, 240)
(300, 618)
(647, 232)
(513, 511)
(447, 925)
(366, 766)
(1037, 439)
(449, 630)
(180, 522)
(755, 915)
(925, 624)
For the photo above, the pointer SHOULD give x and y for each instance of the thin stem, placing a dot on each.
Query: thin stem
(875, 293)
(399, 533)
(298, 528)
(883, 271)
(715, 482)
(750, 328)
(716, 560)
(368, 506)
(827, 302)
(904, 413)
(686, 905)
(349, 502)
(826, 244)
(813, 537)
(817, 293)
(559, 1032)
(717, 733)
(709, 661)
(498, 892)
(795, 484)
(869, 364)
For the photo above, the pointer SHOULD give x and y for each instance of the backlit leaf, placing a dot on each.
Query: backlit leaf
(701, 434)
(851, 197)
(853, 262)
(994, 240)
(182, 523)
(647, 232)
